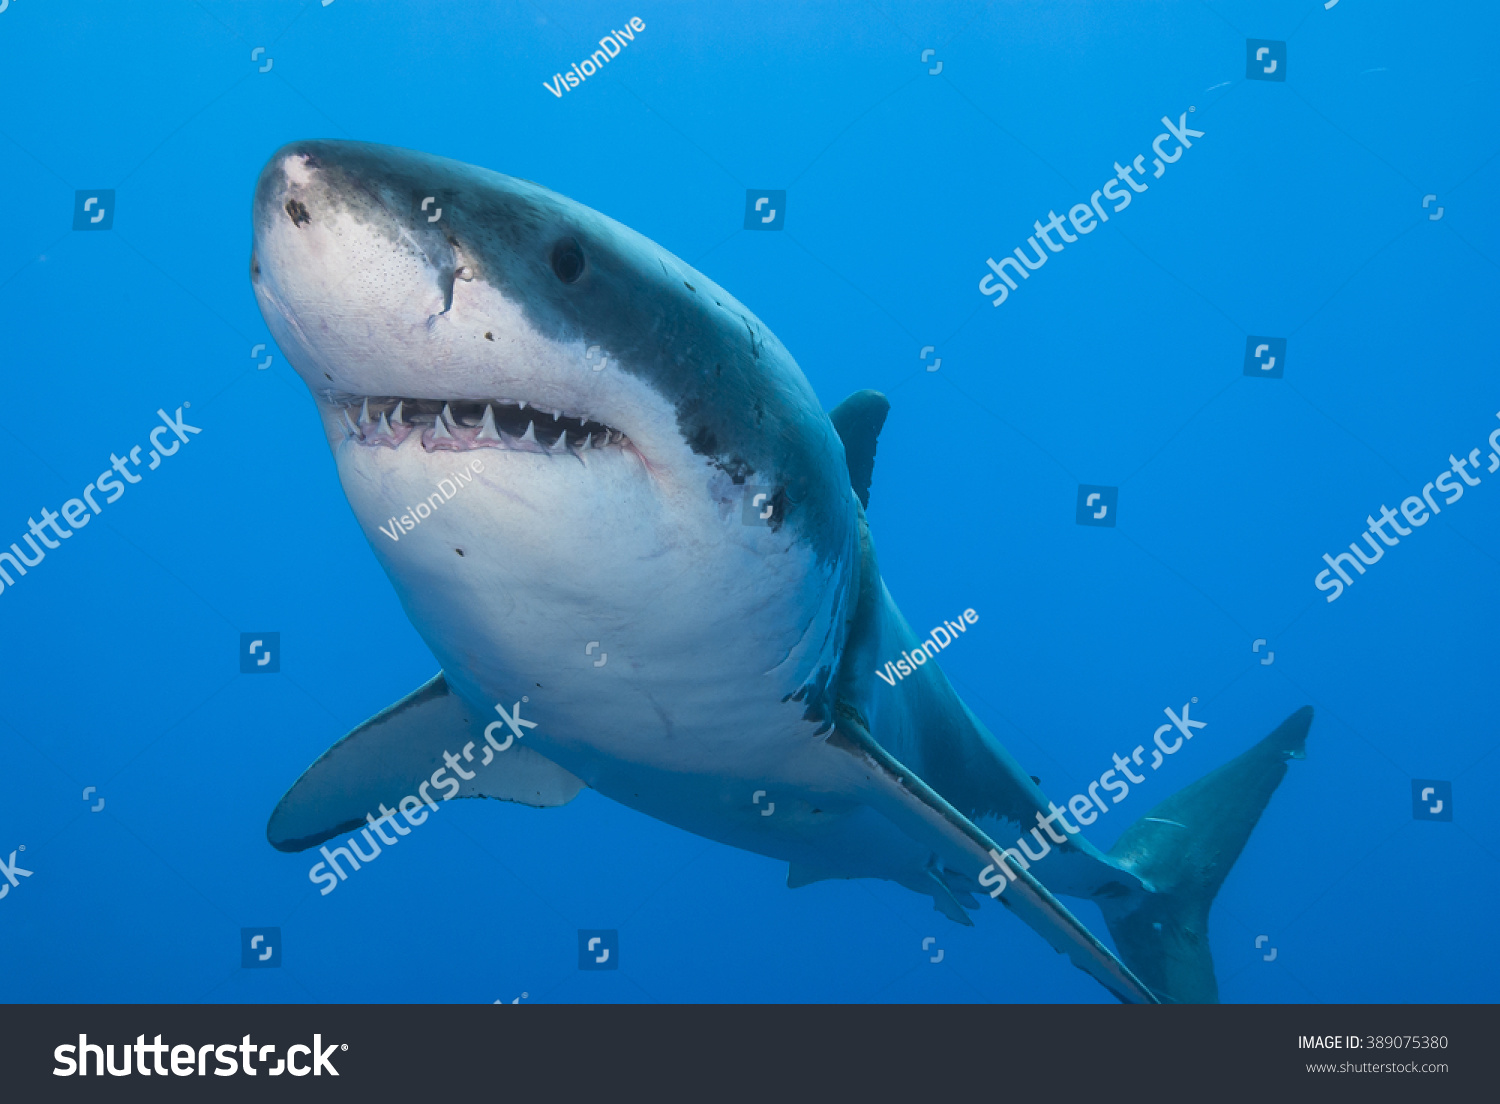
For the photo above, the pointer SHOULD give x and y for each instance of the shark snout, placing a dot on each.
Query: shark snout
(345, 273)
(402, 290)
(318, 185)
(298, 166)
(284, 186)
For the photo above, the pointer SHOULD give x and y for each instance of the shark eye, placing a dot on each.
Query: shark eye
(567, 260)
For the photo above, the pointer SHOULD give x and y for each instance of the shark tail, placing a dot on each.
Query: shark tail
(1183, 849)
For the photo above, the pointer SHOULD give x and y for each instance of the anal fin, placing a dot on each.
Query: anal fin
(949, 903)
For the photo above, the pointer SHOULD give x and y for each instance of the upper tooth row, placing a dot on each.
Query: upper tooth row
(445, 432)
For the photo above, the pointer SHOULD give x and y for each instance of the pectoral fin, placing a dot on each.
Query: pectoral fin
(963, 849)
(393, 753)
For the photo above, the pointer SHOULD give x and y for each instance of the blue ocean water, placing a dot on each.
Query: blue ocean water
(1340, 209)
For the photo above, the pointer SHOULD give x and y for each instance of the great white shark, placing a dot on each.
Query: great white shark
(625, 406)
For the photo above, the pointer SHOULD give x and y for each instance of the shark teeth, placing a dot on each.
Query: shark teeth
(375, 431)
(440, 436)
(458, 425)
(487, 430)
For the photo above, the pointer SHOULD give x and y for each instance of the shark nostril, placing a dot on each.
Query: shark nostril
(297, 212)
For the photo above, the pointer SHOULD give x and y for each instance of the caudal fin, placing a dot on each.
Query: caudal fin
(1183, 850)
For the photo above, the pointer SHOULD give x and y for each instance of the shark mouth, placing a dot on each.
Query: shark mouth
(460, 425)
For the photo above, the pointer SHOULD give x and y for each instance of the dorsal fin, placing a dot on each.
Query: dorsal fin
(859, 419)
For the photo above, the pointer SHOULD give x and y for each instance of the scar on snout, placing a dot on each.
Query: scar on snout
(297, 212)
